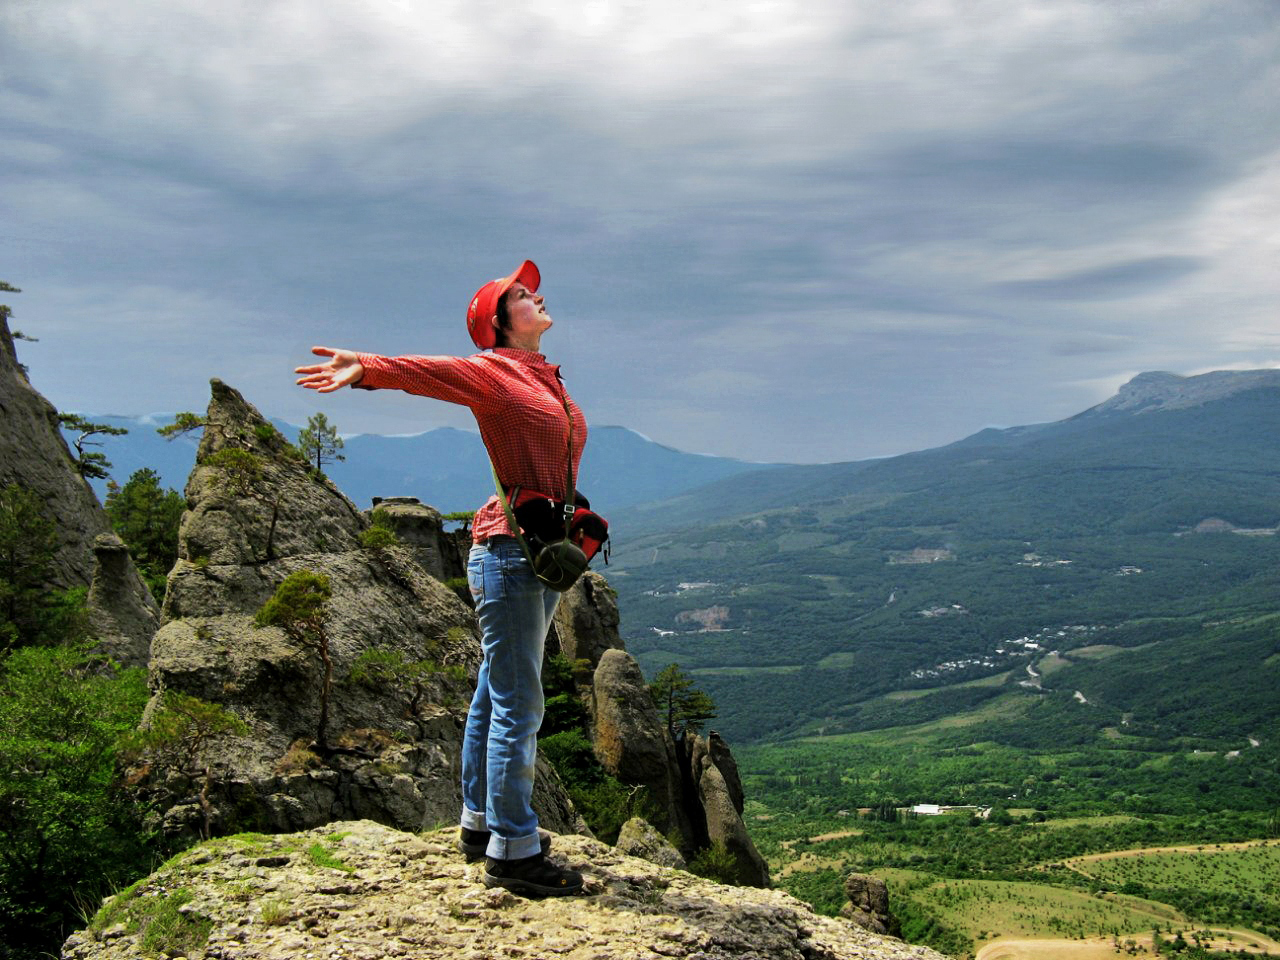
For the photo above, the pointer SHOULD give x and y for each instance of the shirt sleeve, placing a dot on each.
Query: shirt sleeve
(465, 380)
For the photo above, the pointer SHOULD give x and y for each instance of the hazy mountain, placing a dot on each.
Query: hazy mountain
(446, 468)
(817, 597)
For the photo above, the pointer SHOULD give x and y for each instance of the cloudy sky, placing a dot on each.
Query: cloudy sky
(795, 230)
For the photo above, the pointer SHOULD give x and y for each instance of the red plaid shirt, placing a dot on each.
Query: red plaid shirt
(516, 398)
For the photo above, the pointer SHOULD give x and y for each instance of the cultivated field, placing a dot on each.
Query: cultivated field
(991, 909)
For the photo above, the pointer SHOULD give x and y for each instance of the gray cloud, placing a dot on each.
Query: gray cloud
(895, 209)
(1112, 282)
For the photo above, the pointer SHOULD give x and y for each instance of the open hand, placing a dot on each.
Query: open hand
(342, 369)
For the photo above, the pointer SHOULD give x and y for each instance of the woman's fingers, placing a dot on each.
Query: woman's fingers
(341, 369)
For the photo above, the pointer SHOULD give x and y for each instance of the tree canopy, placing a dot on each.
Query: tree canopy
(319, 442)
(682, 705)
(92, 464)
(146, 518)
(28, 542)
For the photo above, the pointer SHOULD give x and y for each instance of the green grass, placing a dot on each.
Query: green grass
(156, 915)
(1104, 821)
(322, 856)
(168, 931)
(1100, 651)
(1248, 873)
(1016, 909)
(742, 671)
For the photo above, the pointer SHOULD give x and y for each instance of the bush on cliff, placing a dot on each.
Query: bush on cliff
(69, 833)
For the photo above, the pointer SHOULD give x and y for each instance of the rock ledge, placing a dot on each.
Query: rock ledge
(358, 890)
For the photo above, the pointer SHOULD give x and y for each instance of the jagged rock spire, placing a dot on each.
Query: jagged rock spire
(34, 455)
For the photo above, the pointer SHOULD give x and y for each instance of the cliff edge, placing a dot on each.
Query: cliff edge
(362, 891)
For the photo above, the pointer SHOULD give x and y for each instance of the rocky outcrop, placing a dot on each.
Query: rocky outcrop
(122, 613)
(719, 790)
(1159, 390)
(421, 529)
(868, 904)
(693, 785)
(362, 891)
(632, 744)
(638, 838)
(34, 455)
(586, 622)
(392, 740)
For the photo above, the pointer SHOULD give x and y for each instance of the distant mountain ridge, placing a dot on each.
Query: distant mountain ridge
(1150, 392)
(837, 589)
(446, 468)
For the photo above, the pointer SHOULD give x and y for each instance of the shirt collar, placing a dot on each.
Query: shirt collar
(524, 356)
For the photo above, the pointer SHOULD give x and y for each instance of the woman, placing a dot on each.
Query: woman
(519, 403)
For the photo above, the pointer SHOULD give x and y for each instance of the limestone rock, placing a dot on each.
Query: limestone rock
(363, 891)
(586, 621)
(34, 455)
(721, 794)
(868, 904)
(421, 529)
(629, 738)
(718, 753)
(122, 613)
(638, 838)
(694, 783)
(256, 514)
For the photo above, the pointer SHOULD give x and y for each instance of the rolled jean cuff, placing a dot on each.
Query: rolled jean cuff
(515, 848)
(473, 821)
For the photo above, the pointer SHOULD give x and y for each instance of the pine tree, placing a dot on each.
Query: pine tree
(28, 543)
(685, 708)
(300, 607)
(319, 441)
(146, 518)
(91, 464)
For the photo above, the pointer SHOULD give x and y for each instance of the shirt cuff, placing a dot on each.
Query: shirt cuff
(368, 378)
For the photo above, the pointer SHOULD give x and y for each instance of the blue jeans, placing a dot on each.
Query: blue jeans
(501, 740)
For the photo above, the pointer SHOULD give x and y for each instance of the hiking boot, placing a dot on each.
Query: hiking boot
(473, 843)
(534, 876)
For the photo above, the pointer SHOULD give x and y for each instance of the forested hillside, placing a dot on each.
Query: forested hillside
(1069, 563)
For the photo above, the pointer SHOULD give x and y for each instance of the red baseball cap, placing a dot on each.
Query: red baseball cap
(483, 310)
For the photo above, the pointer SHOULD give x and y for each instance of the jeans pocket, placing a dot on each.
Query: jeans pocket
(475, 580)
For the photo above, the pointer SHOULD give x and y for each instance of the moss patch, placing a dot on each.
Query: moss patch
(162, 926)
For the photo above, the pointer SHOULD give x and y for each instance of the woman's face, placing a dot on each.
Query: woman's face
(527, 316)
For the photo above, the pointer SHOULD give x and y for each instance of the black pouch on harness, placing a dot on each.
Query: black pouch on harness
(560, 559)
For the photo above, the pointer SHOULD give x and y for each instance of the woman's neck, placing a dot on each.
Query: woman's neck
(532, 344)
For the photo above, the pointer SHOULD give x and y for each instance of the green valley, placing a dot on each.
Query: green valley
(1064, 640)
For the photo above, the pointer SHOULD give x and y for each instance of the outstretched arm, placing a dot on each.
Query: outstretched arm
(342, 369)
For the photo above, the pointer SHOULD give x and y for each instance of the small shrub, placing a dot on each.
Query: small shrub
(717, 863)
(240, 469)
(275, 913)
(297, 759)
(378, 538)
(381, 533)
